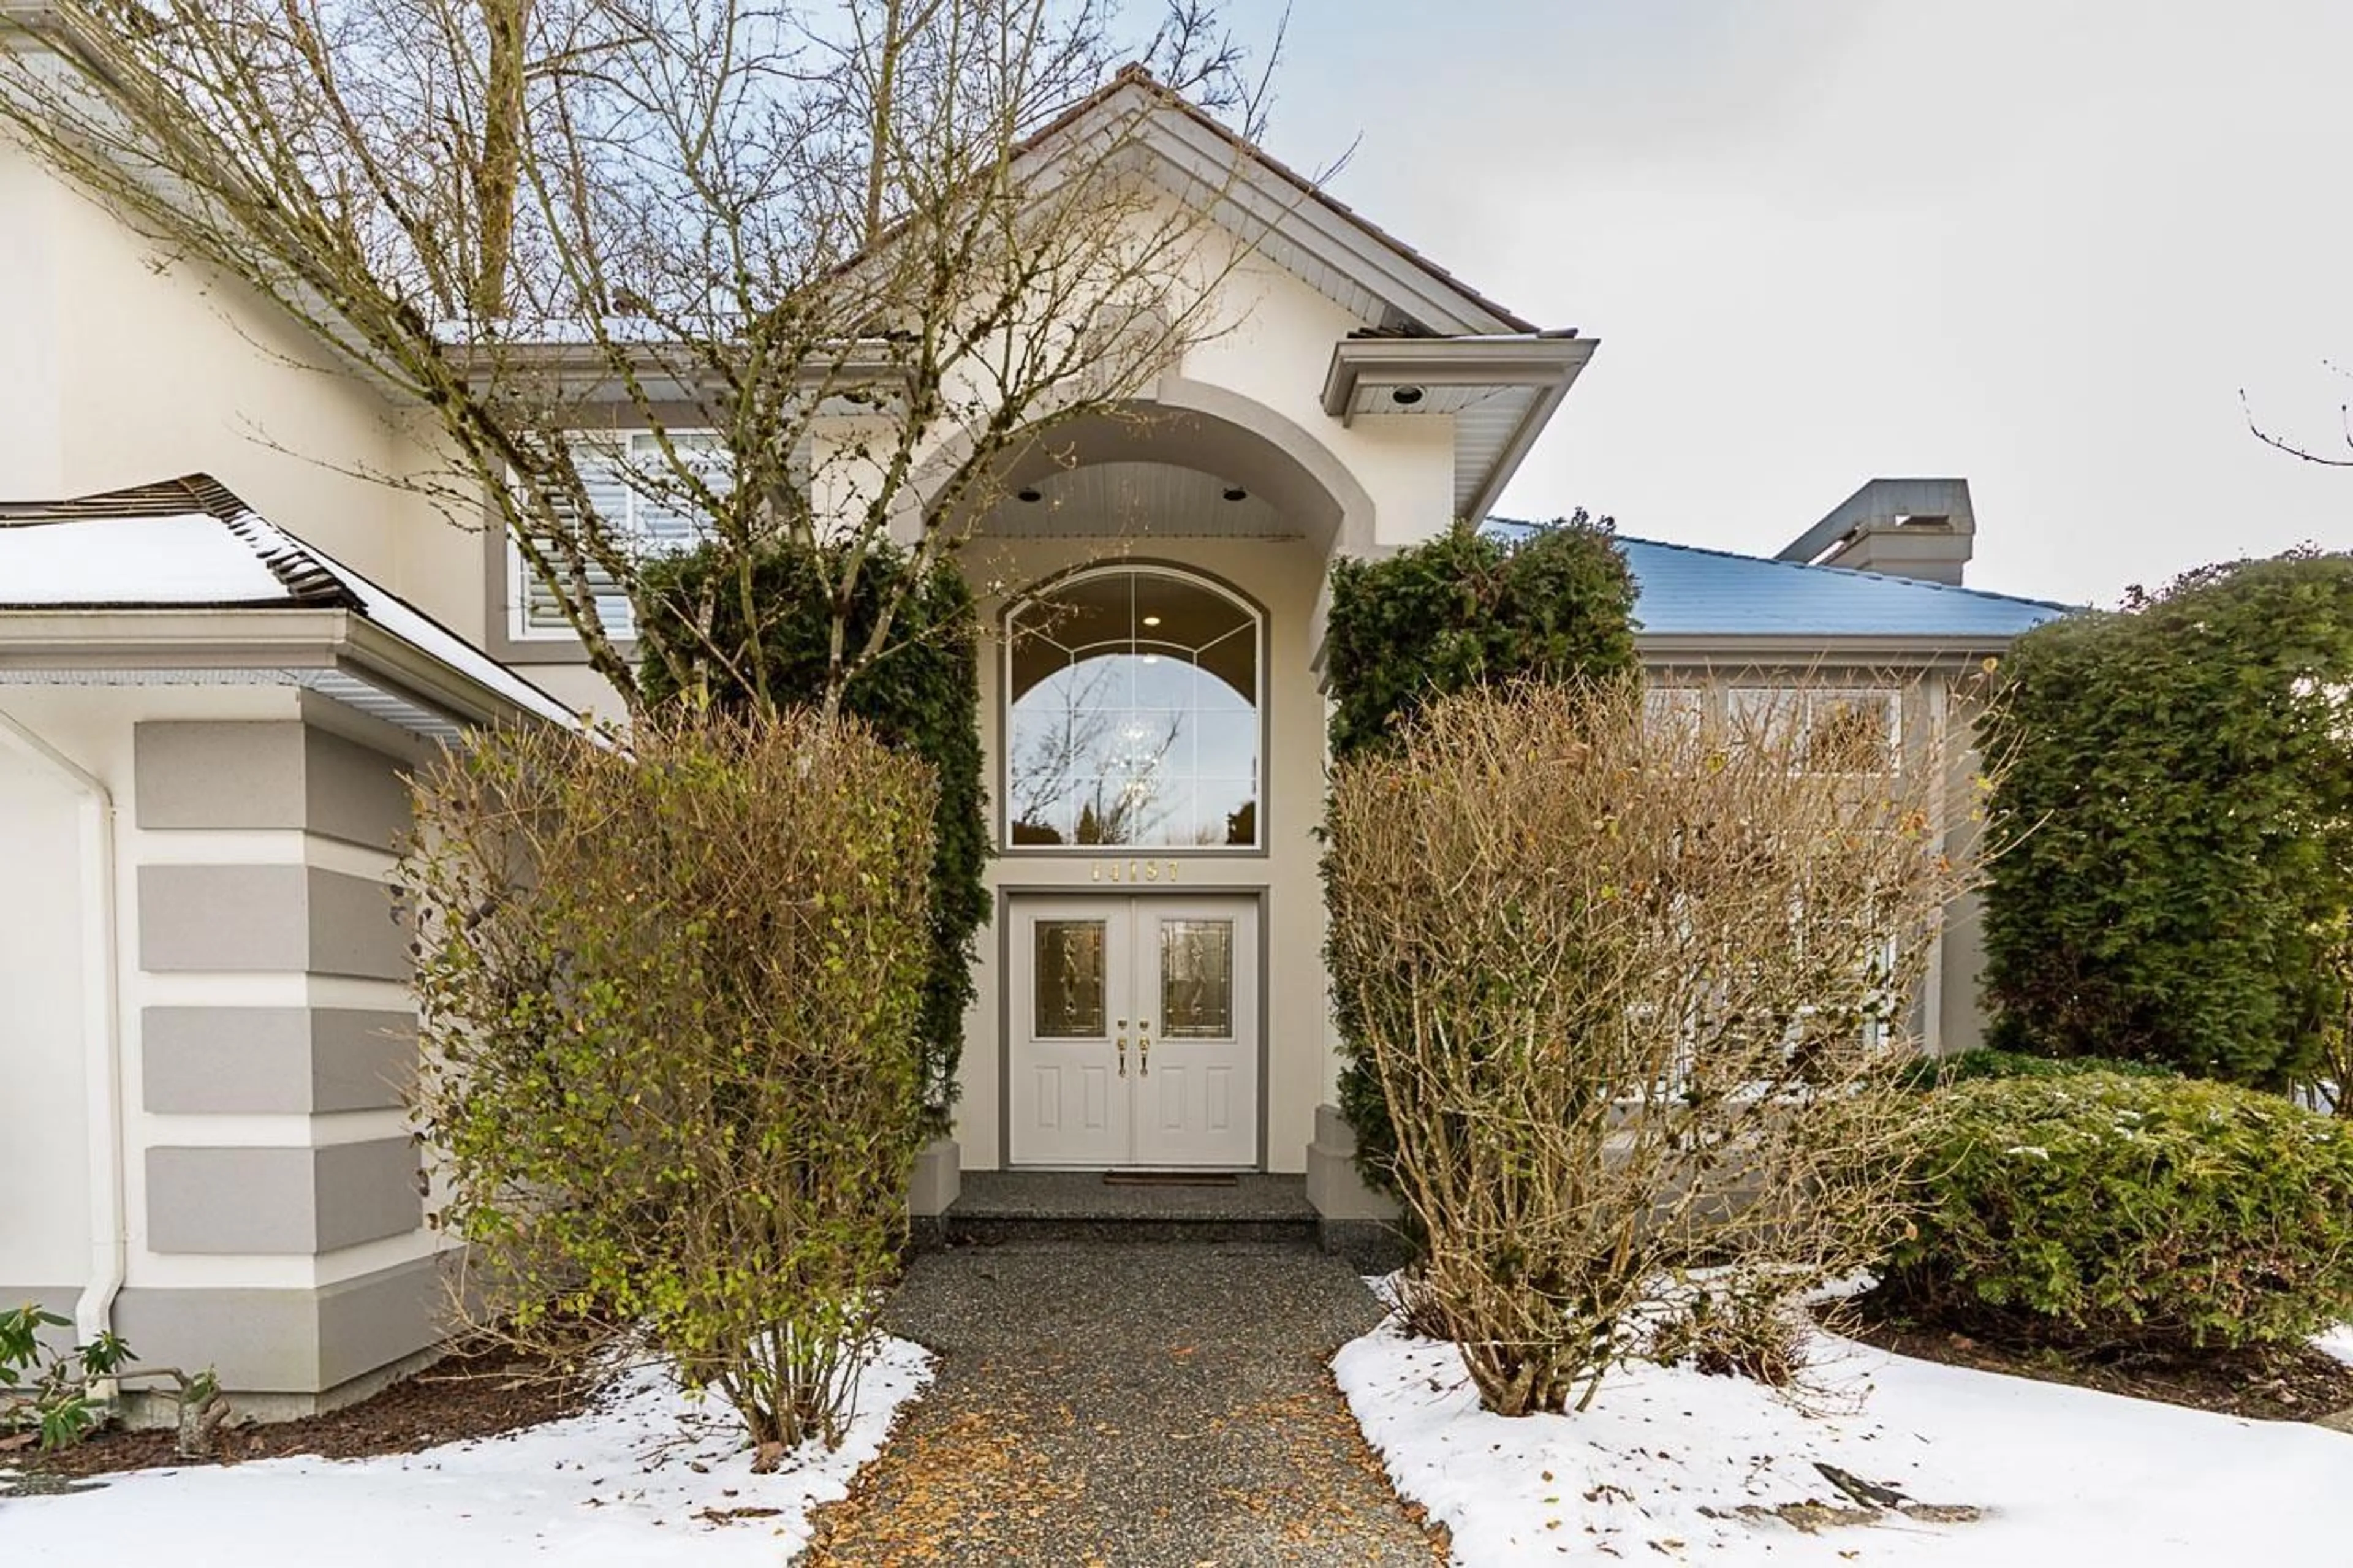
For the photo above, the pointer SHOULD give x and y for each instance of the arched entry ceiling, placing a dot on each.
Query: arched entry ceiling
(1130, 499)
(1156, 470)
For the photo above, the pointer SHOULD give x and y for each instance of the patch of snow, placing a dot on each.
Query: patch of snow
(634, 1483)
(1654, 1472)
(188, 560)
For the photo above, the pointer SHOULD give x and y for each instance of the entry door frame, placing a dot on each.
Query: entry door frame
(1007, 958)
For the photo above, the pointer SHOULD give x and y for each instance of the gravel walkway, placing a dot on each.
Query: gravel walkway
(1128, 1406)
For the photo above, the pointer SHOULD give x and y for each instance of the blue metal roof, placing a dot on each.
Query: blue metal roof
(1685, 591)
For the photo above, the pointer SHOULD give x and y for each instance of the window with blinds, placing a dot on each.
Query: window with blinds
(632, 485)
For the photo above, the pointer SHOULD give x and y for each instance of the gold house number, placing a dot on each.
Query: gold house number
(1134, 870)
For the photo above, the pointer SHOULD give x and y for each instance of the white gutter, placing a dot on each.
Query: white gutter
(110, 1241)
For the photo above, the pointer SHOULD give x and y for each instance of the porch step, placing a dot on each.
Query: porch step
(1081, 1206)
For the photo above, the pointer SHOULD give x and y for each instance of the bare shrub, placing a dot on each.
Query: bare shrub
(668, 998)
(1631, 990)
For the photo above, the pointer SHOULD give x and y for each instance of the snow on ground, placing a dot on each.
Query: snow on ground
(631, 1484)
(2068, 1478)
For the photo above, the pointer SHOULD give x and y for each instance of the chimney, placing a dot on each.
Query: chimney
(1905, 528)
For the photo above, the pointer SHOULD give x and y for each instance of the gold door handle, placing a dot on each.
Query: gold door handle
(1142, 1047)
(1122, 1055)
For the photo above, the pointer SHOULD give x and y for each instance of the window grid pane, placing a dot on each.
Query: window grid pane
(1069, 969)
(1196, 980)
(1132, 717)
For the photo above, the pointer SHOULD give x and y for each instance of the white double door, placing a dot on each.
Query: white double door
(1134, 1031)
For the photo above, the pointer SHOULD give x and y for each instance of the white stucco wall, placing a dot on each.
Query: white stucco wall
(116, 373)
(44, 1032)
(94, 726)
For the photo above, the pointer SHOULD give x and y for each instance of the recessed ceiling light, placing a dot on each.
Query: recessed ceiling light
(1030, 493)
(1405, 396)
(1152, 620)
(1235, 492)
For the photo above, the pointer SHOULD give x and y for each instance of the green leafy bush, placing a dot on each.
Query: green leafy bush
(1469, 608)
(1984, 1062)
(746, 631)
(2103, 1211)
(45, 1392)
(670, 1000)
(2178, 809)
(1463, 610)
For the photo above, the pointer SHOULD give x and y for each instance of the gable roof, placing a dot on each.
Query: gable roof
(191, 544)
(1290, 219)
(1683, 590)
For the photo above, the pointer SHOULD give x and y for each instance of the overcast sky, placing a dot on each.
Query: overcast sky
(2041, 244)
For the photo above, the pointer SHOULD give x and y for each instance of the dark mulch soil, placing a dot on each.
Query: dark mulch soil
(467, 1393)
(2293, 1383)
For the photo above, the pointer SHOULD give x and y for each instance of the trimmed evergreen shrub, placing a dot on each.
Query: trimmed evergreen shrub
(2177, 803)
(2101, 1212)
(1984, 1062)
(1463, 610)
(922, 696)
(1470, 608)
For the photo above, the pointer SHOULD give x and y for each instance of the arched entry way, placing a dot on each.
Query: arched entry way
(1155, 734)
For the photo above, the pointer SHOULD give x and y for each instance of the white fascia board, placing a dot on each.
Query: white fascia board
(1550, 364)
(1527, 360)
(400, 667)
(585, 369)
(1524, 436)
(295, 641)
(213, 638)
(1686, 650)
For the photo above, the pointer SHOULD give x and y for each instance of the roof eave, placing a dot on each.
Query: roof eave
(341, 641)
(1802, 649)
(1547, 364)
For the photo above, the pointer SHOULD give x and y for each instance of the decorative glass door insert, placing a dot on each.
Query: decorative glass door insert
(1135, 1032)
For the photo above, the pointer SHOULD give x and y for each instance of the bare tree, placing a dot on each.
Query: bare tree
(1632, 990)
(837, 266)
(2297, 448)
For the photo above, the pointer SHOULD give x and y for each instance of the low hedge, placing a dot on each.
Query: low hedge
(1984, 1062)
(2101, 1211)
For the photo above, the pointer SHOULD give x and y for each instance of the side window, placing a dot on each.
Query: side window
(634, 487)
(1830, 732)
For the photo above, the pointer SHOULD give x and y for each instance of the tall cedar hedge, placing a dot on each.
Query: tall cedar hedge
(2177, 793)
(922, 695)
(1464, 609)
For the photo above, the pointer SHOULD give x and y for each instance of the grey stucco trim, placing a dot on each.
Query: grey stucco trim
(353, 927)
(289, 1341)
(231, 774)
(280, 1201)
(218, 1061)
(351, 792)
(267, 773)
(223, 918)
(273, 919)
(361, 1059)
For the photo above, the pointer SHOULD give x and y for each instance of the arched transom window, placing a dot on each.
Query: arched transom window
(1132, 713)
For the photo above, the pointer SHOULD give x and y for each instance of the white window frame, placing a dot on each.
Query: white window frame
(1004, 720)
(1800, 702)
(619, 445)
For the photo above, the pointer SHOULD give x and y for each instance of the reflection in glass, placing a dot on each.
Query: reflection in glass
(1196, 980)
(1069, 957)
(1133, 714)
